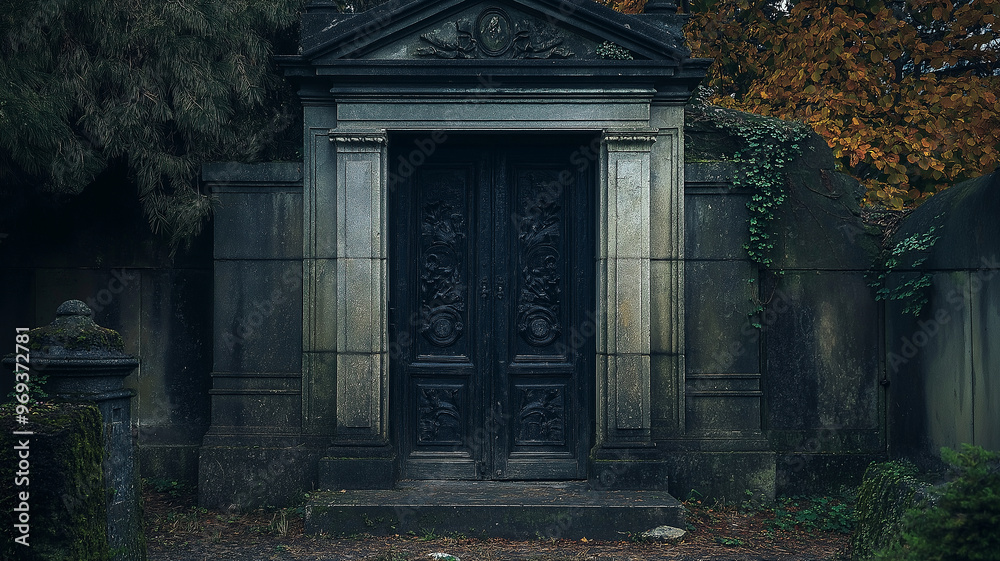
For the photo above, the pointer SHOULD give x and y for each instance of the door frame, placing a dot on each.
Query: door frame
(400, 151)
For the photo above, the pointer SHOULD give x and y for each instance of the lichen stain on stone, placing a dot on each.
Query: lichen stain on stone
(625, 314)
(830, 356)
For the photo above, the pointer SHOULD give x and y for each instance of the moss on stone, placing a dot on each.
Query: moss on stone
(75, 333)
(68, 506)
(887, 491)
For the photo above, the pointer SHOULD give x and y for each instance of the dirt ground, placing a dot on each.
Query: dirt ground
(177, 530)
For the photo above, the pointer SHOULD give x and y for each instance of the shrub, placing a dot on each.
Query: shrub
(961, 519)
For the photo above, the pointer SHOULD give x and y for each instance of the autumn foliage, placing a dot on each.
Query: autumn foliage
(624, 6)
(905, 93)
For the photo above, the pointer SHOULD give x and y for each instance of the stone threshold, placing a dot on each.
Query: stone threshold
(512, 510)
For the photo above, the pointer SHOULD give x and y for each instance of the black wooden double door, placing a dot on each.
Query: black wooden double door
(491, 297)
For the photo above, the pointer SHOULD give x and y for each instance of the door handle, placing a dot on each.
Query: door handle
(500, 284)
(484, 287)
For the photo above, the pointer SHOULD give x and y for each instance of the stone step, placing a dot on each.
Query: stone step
(513, 510)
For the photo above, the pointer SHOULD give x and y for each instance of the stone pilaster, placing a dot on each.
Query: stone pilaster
(346, 310)
(360, 304)
(667, 243)
(624, 290)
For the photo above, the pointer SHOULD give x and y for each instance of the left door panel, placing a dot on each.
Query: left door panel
(437, 321)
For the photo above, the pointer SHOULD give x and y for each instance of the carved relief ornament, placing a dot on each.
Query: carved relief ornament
(493, 34)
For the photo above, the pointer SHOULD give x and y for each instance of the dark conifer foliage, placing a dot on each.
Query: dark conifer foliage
(156, 86)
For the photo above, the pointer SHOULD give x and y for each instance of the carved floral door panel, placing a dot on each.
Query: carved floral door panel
(489, 296)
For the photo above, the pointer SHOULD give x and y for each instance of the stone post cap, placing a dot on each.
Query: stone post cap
(74, 335)
(81, 359)
(660, 7)
(74, 308)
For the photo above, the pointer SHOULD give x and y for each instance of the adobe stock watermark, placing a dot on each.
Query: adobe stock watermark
(120, 281)
(580, 161)
(247, 325)
(565, 9)
(410, 160)
(495, 422)
(851, 231)
(407, 164)
(798, 459)
(604, 481)
(363, 34)
(22, 451)
(267, 477)
(578, 336)
(929, 329)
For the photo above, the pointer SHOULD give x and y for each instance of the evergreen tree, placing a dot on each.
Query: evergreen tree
(156, 86)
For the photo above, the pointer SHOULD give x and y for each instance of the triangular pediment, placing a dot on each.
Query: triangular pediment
(488, 30)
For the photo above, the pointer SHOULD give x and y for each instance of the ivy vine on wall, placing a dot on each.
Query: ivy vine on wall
(765, 148)
(769, 146)
(912, 291)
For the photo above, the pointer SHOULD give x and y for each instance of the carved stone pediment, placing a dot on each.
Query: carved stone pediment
(494, 34)
(454, 46)
(489, 30)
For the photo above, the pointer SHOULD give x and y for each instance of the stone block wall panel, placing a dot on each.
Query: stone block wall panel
(942, 363)
(256, 377)
(822, 358)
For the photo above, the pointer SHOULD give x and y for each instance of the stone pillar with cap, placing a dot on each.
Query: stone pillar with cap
(671, 14)
(87, 362)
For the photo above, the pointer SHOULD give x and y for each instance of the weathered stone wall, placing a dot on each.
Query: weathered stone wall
(944, 364)
(824, 393)
(796, 402)
(98, 249)
(774, 409)
(250, 455)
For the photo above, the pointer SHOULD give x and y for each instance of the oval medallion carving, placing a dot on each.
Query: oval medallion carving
(493, 31)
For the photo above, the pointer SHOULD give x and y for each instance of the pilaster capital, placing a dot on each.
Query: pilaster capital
(629, 140)
(358, 141)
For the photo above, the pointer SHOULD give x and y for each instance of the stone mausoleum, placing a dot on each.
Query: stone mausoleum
(490, 266)
(487, 238)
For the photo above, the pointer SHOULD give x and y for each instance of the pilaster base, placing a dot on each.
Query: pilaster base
(236, 475)
(350, 467)
(628, 468)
